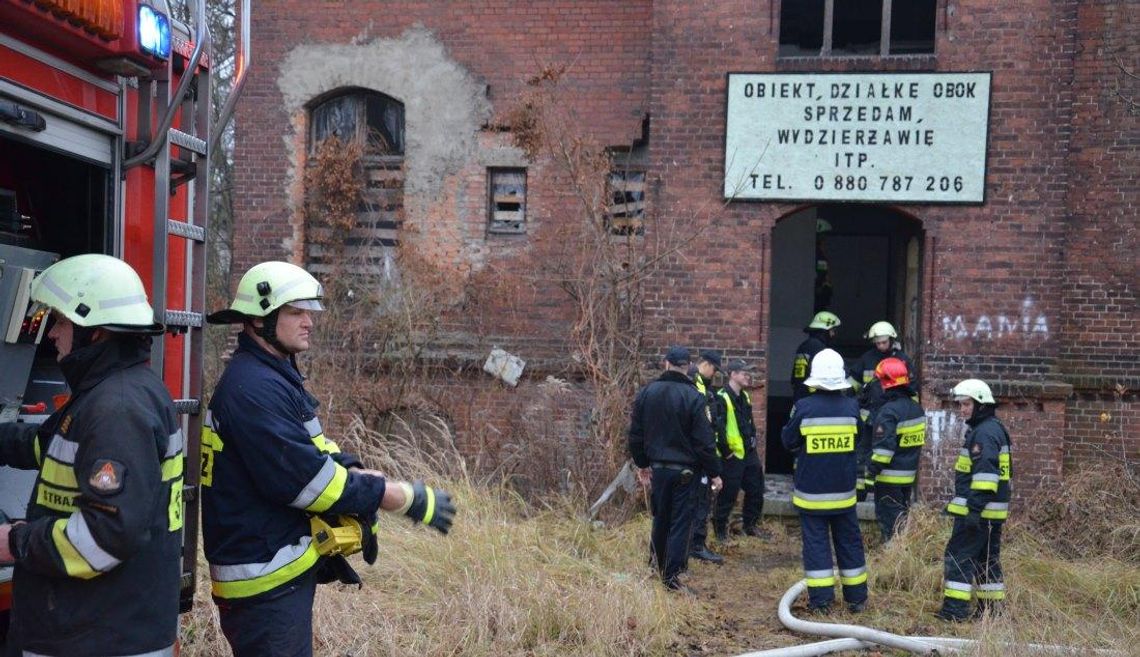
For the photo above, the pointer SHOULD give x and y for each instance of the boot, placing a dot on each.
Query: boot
(721, 532)
(705, 554)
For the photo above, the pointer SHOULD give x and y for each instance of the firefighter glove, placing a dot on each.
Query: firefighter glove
(430, 506)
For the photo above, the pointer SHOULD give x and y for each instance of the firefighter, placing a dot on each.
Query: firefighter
(281, 504)
(740, 461)
(821, 333)
(980, 507)
(884, 343)
(98, 559)
(899, 434)
(821, 433)
(707, 366)
(671, 440)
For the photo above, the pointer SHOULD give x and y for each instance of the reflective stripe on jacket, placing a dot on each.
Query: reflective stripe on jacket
(898, 436)
(983, 471)
(266, 468)
(821, 432)
(98, 563)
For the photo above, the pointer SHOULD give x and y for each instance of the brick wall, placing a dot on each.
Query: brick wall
(1052, 250)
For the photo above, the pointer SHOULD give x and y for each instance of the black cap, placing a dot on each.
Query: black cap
(677, 356)
(712, 357)
(739, 366)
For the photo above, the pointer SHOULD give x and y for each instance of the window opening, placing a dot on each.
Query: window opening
(361, 116)
(506, 192)
(822, 28)
(626, 212)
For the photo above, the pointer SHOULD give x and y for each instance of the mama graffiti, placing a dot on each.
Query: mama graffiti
(1027, 324)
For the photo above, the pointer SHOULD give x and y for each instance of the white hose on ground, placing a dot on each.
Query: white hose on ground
(858, 637)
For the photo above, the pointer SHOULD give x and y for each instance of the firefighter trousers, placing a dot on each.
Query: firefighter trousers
(278, 626)
(737, 475)
(972, 565)
(820, 533)
(673, 511)
(891, 506)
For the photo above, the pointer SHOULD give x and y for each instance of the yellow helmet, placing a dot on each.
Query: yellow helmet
(96, 290)
(268, 286)
(824, 320)
(881, 330)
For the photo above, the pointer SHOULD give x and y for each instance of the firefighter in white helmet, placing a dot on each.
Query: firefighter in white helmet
(281, 504)
(98, 558)
(980, 507)
(821, 433)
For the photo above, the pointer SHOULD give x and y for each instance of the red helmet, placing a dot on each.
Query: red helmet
(892, 373)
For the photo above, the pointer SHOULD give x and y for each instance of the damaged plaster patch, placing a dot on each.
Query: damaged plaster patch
(444, 105)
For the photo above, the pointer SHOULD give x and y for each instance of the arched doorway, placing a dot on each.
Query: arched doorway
(861, 262)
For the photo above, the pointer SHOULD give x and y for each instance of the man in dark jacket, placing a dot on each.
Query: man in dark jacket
(98, 560)
(671, 439)
(820, 332)
(274, 487)
(980, 507)
(707, 366)
(898, 436)
(821, 433)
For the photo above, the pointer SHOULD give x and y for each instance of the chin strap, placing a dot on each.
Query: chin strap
(268, 332)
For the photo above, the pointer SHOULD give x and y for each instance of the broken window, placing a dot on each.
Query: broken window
(361, 116)
(506, 201)
(626, 211)
(815, 28)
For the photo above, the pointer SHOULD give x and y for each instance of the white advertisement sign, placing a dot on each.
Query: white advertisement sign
(889, 137)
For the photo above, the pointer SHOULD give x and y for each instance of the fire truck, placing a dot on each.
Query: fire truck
(105, 141)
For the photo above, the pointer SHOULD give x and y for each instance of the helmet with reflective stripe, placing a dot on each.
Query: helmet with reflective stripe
(892, 373)
(268, 286)
(881, 330)
(975, 389)
(96, 290)
(827, 371)
(824, 320)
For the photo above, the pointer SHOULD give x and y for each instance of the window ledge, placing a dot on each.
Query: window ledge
(840, 63)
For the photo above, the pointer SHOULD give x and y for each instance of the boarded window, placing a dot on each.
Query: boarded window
(506, 202)
(815, 28)
(626, 211)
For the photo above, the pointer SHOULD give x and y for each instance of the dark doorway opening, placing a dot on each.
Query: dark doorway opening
(861, 262)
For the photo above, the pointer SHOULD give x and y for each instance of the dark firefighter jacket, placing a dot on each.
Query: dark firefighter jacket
(897, 439)
(816, 342)
(862, 371)
(821, 433)
(670, 423)
(983, 468)
(99, 561)
(736, 424)
(266, 468)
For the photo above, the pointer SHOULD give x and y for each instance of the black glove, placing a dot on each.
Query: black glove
(430, 506)
(369, 545)
(347, 460)
(337, 569)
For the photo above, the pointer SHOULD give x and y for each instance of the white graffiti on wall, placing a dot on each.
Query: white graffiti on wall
(943, 425)
(1027, 323)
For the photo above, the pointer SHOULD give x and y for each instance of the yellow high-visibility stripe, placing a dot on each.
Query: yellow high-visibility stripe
(73, 562)
(57, 499)
(331, 492)
(248, 587)
(324, 445)
(821, 581)
(853, 581)
(956, 594)
(984, 485)
(823, 505)
(59, 474)
(172, 467)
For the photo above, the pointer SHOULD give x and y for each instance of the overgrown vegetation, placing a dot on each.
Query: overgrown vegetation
(515, 580)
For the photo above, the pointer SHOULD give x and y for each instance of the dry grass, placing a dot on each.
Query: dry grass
(514, 580)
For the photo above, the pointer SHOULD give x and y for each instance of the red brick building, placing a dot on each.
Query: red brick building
(1028, 279)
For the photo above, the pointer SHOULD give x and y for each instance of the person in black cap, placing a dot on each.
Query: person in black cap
(736, 433)
(707, 367)
(671, 440)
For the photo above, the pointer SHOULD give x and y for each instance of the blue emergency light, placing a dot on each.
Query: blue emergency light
(154, 32)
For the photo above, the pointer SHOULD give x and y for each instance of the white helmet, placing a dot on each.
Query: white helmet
(881, 330)
(975, 389)
(96, 290)
(827, 371)
(268, 286)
